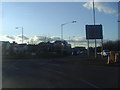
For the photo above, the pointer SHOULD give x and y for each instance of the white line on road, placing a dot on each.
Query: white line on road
(82, 80)
(91, 84)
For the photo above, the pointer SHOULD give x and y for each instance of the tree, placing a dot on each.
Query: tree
(112, 45)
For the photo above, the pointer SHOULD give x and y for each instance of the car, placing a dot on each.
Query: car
(75, 52)
(105, 52)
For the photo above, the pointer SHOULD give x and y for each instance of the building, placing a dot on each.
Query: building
(6, 48)
(31, 49)
(62, 46)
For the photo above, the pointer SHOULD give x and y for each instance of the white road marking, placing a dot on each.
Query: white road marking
(82, 80)
(89, 83)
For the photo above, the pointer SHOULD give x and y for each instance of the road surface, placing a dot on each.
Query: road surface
(50, 73)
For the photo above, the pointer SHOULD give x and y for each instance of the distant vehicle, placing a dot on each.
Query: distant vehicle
(105, 53)
(78, 50)
(75, 51)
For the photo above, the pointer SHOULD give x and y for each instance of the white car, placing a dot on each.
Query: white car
(105, 52)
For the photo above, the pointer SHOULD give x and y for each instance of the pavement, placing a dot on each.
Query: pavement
(67, 72)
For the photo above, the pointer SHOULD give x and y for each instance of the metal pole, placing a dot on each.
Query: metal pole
(88, 49)
(95, 49)
(94, 24)
(119, 20)
(102, 47)
(62, 34)
(94, 12)
(61, 39)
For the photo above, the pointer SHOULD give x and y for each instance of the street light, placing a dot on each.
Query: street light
(22, 32)
(62, 28)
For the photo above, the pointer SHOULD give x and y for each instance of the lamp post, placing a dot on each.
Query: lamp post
(94, 24)
(62, 28)
(62, 34)
(22, 32)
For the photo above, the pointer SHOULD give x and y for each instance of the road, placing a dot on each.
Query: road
(50, 73)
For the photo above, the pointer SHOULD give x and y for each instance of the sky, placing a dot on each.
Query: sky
(42, 20)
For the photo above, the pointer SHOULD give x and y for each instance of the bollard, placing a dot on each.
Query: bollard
(108, 60)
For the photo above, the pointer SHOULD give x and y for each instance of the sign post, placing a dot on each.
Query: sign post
(88, 49)
(94, 32)
(102, 47)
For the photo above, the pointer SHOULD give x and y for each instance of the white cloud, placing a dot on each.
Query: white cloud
(101, 7)
(6, 38)
(80, 39)
(33, 40)
(37, 39)
(77, 41)
(9, 37)
(20, 37)
(53, 38)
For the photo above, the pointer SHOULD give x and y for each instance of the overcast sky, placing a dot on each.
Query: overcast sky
(44, 19)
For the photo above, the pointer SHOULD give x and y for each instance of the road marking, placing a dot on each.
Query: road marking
(91, 84)
(63, 73)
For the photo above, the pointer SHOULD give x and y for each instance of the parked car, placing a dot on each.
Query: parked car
(105, 52)
(75, 51)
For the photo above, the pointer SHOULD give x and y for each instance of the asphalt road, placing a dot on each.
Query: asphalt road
(48, 73)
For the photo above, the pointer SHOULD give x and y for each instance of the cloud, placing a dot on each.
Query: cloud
(6, 38)
(9, 37)
(20, 37)
(82, 42)
(37, 39)
(77, 41)
(101, 7)
(53, 38)
(83, 39)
